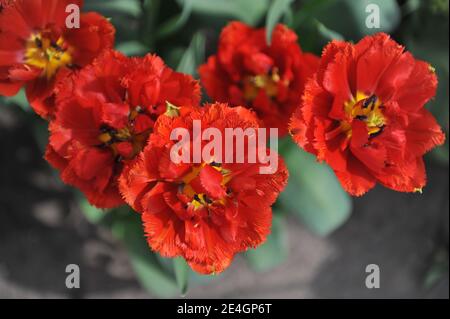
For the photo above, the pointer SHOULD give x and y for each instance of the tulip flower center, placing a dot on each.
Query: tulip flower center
(127, 142)
(267, 82)
(367, 109)
(49, 55)
(205, 185)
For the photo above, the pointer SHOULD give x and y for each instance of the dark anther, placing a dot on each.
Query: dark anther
(38, 42)
(108, 144)
(119, 159)
(197, 198)
(361, 117)
(73, 66)
(56, 46)
(229, 191)
(207, 199)
(370, 101)
(377, 133)
(214, 164)
(104, 129)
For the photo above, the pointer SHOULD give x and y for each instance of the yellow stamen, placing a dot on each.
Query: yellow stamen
(431, 68)
(134, 113)
(201, 200)
(109, 137)
(105, 137)
(367, 109)
(123, 134)
(267, 82)
(43, 53)
(172, 110)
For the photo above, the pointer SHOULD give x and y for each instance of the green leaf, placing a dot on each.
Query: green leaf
(132, 48)
(176, 23)
(181, 270)
(40, 133)
(332, 12)
(148, 22)
(327, 33)
(130, 7)
(410, 7)
(249, 11)
(439, 105)
(442, 153)
(288, 18)
(438, 268)
(93, 214)
(193, 56)
(193, 278)
(309, 9)
(19, 99)
(276, 12)
(274, 251)
(420, 38)
(314, 194)
(127, 226)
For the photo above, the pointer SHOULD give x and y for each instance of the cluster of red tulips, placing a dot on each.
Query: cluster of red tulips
(358, 107)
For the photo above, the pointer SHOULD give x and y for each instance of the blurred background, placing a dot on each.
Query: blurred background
(321, 240)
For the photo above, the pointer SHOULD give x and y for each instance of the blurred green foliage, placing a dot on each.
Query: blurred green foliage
(276, 248)
(313, 193)
(425, 33)
(277, 10)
